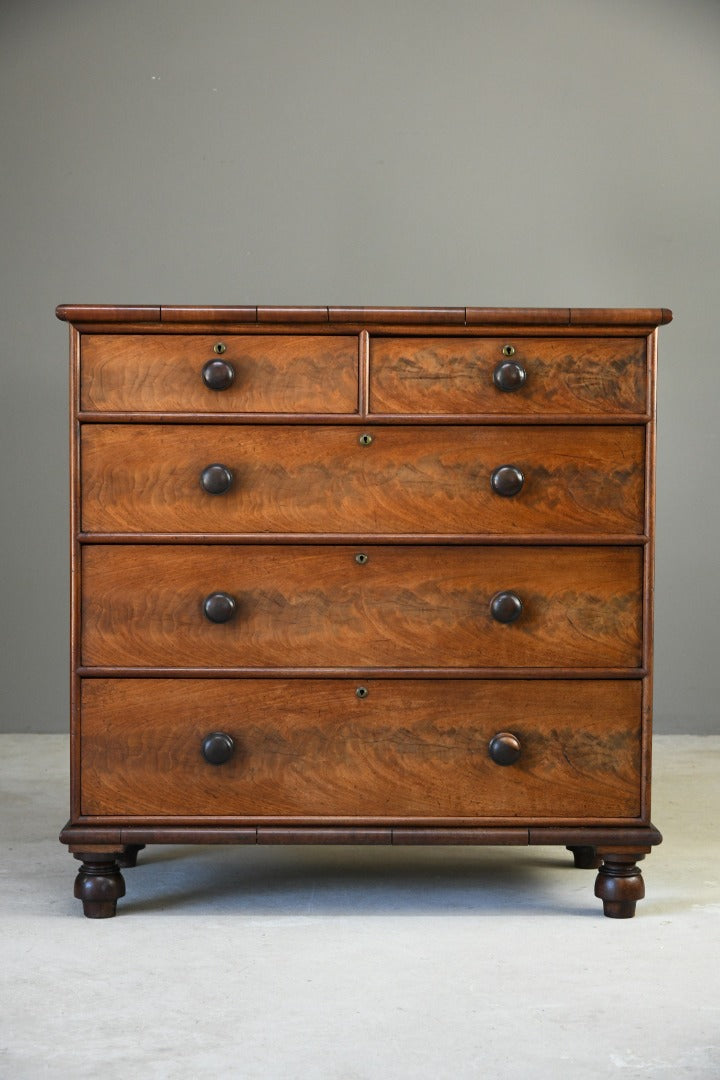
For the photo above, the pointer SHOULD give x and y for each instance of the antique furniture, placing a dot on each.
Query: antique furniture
(362, 575)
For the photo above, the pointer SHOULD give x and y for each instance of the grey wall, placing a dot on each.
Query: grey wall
(495, 152)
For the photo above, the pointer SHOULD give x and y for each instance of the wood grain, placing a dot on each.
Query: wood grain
(580, 376)
(316, 606)
(163, 373)
(319, 479)
(310, 749)
(419, 316)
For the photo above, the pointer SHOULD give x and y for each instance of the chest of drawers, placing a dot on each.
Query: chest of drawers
(352, 575)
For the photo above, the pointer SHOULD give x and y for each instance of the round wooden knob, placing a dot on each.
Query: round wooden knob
(509, 375)
(219, 607)
(217, 747)
(218, 374)
(507, 480)
(506, 607)
(216, 479)
(504, 748)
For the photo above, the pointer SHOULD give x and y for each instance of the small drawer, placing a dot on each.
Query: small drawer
(382, 480)
(233, 373)
(301, 606)
(416, 750)
(514, 376)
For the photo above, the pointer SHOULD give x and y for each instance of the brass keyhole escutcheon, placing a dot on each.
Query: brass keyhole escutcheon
(361, 558)
(365, 439)
(362, 692)
(220, 348)
(508, 350)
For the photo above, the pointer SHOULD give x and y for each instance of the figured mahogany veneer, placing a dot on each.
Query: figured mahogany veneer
(147, 373)
(404, 607)
(313, 748)
(587, 376)
(362, 575)
(146, 478)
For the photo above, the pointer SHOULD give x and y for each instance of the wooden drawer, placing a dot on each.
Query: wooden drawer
(311, 748)
(582, 376)
(318, 607)
(146, 478)
(272, 373)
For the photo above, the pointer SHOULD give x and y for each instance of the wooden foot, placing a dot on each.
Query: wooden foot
(99, 884)
(129, 855)
(620, 885)
(586, 858)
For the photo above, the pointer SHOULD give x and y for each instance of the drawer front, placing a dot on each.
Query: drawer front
(321, 479)
(318, 607)
(583, 376)
(409, 749)
(270, 373)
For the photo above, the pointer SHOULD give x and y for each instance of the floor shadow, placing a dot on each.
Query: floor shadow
(322, 881)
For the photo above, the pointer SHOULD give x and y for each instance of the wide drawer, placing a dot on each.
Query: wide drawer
(270, 373)
(558, 376)
(343, 606)
(309, 748)
(324, 479)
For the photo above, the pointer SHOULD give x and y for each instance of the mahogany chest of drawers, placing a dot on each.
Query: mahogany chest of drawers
(353, 575)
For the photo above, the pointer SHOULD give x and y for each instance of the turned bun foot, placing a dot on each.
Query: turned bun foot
(586, 858)
(128, 858)
(619, 885)
(99, 884)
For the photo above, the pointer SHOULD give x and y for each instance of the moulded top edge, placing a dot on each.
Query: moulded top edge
(394, 316)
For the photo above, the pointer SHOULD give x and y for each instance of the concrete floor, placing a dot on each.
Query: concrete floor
(359, 963)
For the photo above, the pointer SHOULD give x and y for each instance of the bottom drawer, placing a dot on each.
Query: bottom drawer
(309, 749)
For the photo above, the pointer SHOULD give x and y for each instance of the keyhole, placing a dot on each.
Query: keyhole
(219, 348)
(361, 558)
(365, 440)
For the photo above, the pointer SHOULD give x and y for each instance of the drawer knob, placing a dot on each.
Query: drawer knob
(218, 374)
(217, 747)
(216, 479)
(507, 480)
(509, 376)
(506, 607)
(219, 607)
(504, 748)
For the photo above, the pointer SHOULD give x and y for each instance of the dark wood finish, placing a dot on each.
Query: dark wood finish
(478, 836)
(585, 376)
(128, 859)
(223, 315)
(370, 540)
(407, 607)
(332, 835)
(351, 419)
(308, 748)
(619, 316)
(644, 836)
(151, 373)
(321, 480)
(217, 748)
(99, 884)
(375, 672)
(392, 316)
(372, 699)
(620, 884)
(585, 857)
(292, 314)
(79, 837)
(505, 748)
(218, 374)
(398, 316)
(75, 313)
